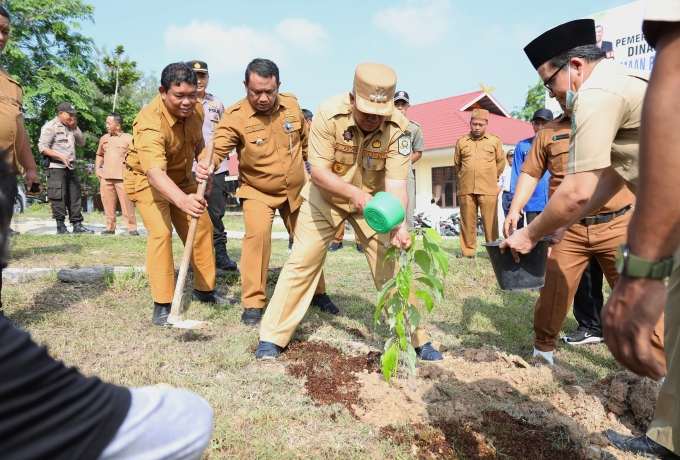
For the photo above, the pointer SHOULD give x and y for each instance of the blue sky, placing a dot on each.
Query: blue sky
(439, 48)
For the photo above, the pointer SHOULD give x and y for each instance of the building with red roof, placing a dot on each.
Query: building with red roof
(443, 122)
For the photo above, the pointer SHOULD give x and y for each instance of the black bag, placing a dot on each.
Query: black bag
(44, 160)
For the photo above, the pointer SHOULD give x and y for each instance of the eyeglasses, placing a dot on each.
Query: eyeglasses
(546, 83)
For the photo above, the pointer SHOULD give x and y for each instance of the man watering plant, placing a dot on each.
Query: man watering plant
(358, 146)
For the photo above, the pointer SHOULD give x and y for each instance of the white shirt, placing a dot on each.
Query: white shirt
(504, 180)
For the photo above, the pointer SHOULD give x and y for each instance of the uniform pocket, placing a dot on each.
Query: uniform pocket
(559, 156)
(54, 193)
(374, 173)
(489, 152)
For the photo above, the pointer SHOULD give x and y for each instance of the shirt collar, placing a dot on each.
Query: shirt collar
(172, 119)
(484, 136)
(250, 110)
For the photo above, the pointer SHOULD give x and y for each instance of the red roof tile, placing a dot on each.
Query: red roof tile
(443, 123)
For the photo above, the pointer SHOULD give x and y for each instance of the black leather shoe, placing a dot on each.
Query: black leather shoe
(324, 303)
(267, 350)
(108, 232)
(335, 246)
(78, 228)
(222, 260)
(639, 445)
(251, 316)
(212, 297)
(61, 228)
(161, 311)
(360, 248)
(428, 353)
(133, 233)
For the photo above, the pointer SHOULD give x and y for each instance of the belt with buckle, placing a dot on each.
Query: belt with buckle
(604, 218)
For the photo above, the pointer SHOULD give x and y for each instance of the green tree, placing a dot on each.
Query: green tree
(535, 100)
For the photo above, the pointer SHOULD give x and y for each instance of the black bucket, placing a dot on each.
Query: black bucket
(529, 273)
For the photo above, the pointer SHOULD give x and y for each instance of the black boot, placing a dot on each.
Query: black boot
(212, 297)
(639, 445)
(61, 228)
(161, 311)
(222, 260)
(324, 303)
(335, 246)
(251, 316)
(78, 228)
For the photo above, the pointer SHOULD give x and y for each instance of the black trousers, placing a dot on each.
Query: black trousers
(63, 190)
(589, 299)
(217, 206)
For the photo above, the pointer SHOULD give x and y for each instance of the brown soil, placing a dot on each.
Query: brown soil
(330, 376)
(487, 404)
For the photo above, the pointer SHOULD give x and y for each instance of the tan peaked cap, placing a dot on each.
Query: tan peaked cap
(482, 114)
(374, 85)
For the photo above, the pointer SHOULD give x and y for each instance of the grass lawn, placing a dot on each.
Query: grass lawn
(260, 412)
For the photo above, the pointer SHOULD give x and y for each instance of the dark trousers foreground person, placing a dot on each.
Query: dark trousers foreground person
(50, 411)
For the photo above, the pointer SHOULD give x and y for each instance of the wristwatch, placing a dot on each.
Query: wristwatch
(636, 267)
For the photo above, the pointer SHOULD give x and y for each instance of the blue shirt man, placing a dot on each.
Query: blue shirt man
(540, 197)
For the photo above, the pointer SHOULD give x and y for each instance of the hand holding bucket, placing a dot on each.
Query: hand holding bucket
(384, 212)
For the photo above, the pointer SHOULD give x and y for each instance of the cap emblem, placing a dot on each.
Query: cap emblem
(197, 66)
(379, 95)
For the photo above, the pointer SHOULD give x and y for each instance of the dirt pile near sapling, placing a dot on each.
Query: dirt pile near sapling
(330, 376)
(631, 398)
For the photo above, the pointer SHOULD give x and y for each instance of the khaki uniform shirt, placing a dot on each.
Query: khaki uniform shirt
(61, 139)
(161, 140)
(363, 160)
(11, 117)
(479, 163)
(606, 121)
(268, 172)
(114, 149)
(550, 151)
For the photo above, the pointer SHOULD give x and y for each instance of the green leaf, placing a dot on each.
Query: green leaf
(426, 297)
(433, 283)
(388, 255)
(423, 260)
(413, 316)
(399, 324)
(403, 343)
(410, 358)
(440, 256)
(388, 343)
(432, 235)
(404, 280)
(385, 291)
(389, 362)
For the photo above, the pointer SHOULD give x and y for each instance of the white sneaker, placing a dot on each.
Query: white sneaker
(581, 337)
(547, 355)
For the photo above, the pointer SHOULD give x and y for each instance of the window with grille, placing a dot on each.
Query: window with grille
(444, 184)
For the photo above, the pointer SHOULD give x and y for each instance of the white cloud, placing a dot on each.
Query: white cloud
(229, 50)
(302, 33)
(415, 22)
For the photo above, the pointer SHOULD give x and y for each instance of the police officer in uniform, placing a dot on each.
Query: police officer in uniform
(112, 150)
(269, 133)
(358, 146)
(217, 205)
(58, 140)
(166, 137)
(479, 160)
(402, 104)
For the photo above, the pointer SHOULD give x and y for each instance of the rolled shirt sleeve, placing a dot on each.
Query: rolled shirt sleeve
(150, 146)
(321, 142)
(594, 129)
(500, 158)
(536, 162)
(47, 135)
(418, 143)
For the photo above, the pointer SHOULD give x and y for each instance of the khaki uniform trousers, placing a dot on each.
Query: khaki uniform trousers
(257, 247)
(566, 264)
(159, 216)
(665, 427)
(293, 291)
(113, 190)
(488, 205)
(340, 235)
